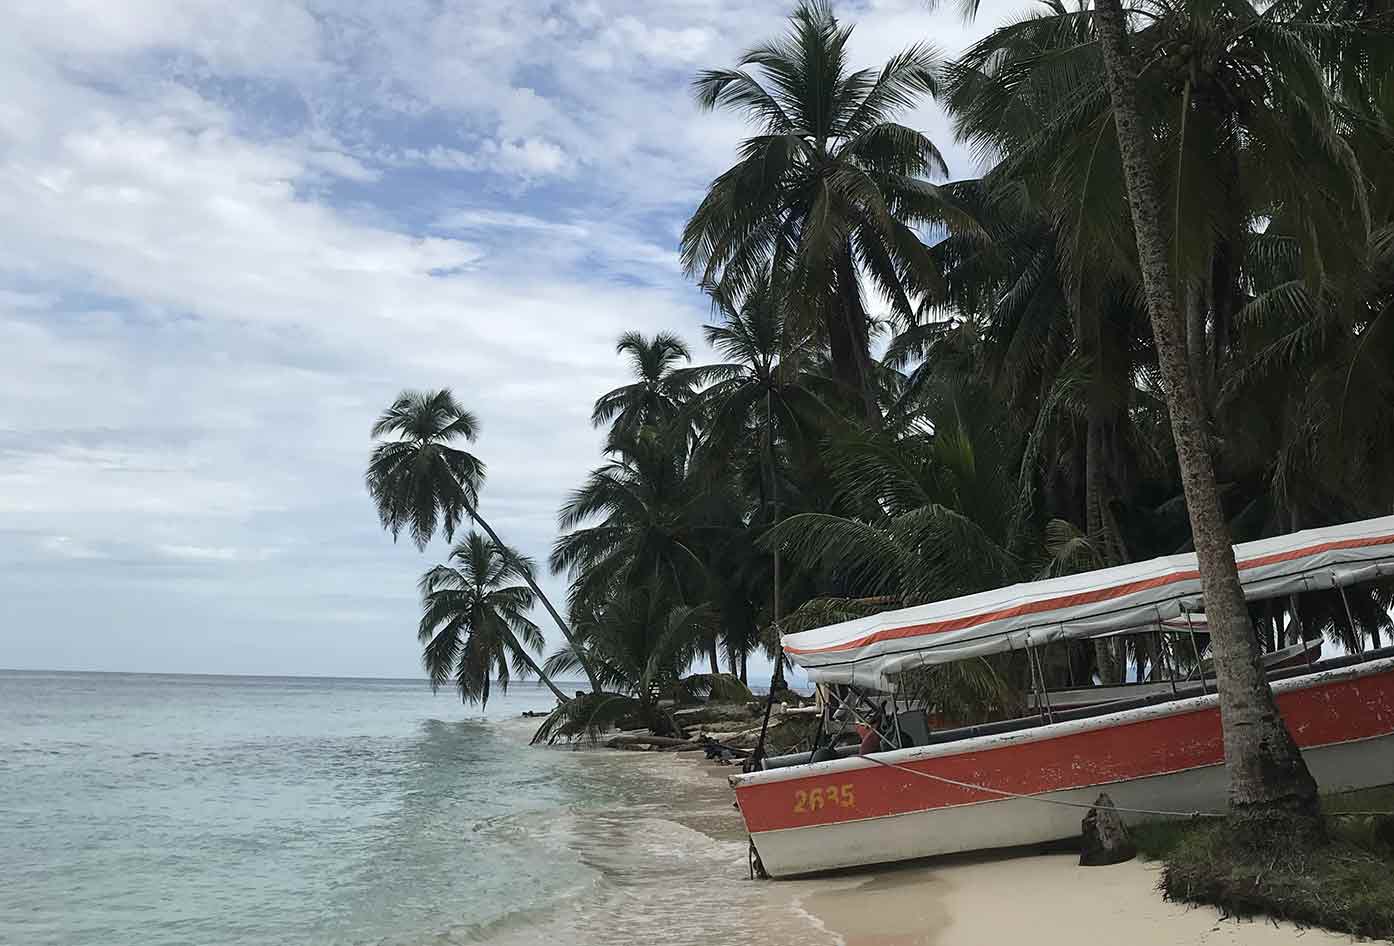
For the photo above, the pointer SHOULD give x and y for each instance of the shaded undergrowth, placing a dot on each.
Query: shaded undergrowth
(1345, 883)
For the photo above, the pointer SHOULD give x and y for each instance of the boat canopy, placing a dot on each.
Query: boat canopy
(1128, 598)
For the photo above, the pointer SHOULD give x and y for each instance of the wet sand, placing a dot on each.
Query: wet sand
(1018, 897)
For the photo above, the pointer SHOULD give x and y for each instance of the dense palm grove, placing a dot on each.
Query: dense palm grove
(920, 390)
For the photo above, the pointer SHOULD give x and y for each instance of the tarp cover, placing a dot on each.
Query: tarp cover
(1137, 596)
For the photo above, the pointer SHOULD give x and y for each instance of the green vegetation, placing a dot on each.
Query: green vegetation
(474, 624)
(1344, 883)
(1161, 319)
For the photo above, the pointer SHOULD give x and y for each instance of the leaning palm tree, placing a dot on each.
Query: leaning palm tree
(474, 625)
(420, 482)
(828, 192)
(1268, 776)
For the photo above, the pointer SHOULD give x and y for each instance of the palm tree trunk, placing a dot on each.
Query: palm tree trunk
(527, 577)
(1197, 346)
(1111, 669)
(541, 674)
(849, 339)
(1268, 776)
(713, 656)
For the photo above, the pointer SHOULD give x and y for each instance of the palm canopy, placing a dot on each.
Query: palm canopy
(1257, 173)
(768, 386)
(641, 516)
(418, 480)
(828, 192)
(936, 511)
(1244, 123)
(659, 392)
(474, 627)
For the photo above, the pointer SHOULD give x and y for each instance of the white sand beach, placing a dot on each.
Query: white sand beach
(1041, 900)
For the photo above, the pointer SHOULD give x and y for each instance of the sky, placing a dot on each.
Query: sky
(231, 233)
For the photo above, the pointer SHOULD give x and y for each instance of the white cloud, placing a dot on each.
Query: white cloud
(341, 165)
(230, 234)
(213, 553)
(526, 157)
(482, 219)
(65, 546)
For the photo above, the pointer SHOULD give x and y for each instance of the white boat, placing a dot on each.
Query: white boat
(1028, 781)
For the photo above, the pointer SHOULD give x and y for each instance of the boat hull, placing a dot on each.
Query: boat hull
(943, 799)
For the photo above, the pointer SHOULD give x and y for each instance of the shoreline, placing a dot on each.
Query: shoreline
(987, 898)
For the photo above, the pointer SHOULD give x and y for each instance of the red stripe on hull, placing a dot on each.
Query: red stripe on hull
(1324, 713)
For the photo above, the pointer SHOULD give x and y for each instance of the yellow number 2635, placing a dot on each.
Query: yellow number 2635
(816, 798)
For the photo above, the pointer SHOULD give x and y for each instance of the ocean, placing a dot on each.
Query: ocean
(165, 810)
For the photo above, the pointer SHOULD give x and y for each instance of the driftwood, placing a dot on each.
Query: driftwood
(658, 742)
(1105, 839)
(715, 713)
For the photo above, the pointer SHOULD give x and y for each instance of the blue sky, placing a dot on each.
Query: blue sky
(232, 232)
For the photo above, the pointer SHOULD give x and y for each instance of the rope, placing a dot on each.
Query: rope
(1077, 804)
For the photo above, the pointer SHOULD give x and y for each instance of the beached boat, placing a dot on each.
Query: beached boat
(1027, 781)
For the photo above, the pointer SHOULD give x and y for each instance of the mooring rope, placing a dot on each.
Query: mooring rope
(1087, 805)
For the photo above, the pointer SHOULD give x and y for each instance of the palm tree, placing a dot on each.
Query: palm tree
(659, 392)
(419, 481)
(474, 625)
(640, 640)
(828, 192)
(937, 516)
(766, 388)
(764, 401)
(643, 517)
(1063, 346)
(1243, 127)
(1268, 776)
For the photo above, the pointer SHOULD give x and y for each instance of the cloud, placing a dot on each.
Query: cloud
(214, 553)
(471, 219)
(65, 546)
(341, 165)
(229, 234)
(532, 156)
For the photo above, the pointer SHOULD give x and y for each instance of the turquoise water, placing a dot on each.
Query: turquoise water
(242, 811)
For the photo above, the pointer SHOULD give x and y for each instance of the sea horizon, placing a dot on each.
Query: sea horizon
(256, 676)
(761, 683)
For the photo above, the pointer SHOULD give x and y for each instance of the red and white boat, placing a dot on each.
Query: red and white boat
(1000, 785)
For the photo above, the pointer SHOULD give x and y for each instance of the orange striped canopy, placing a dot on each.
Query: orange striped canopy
(1137, 596)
